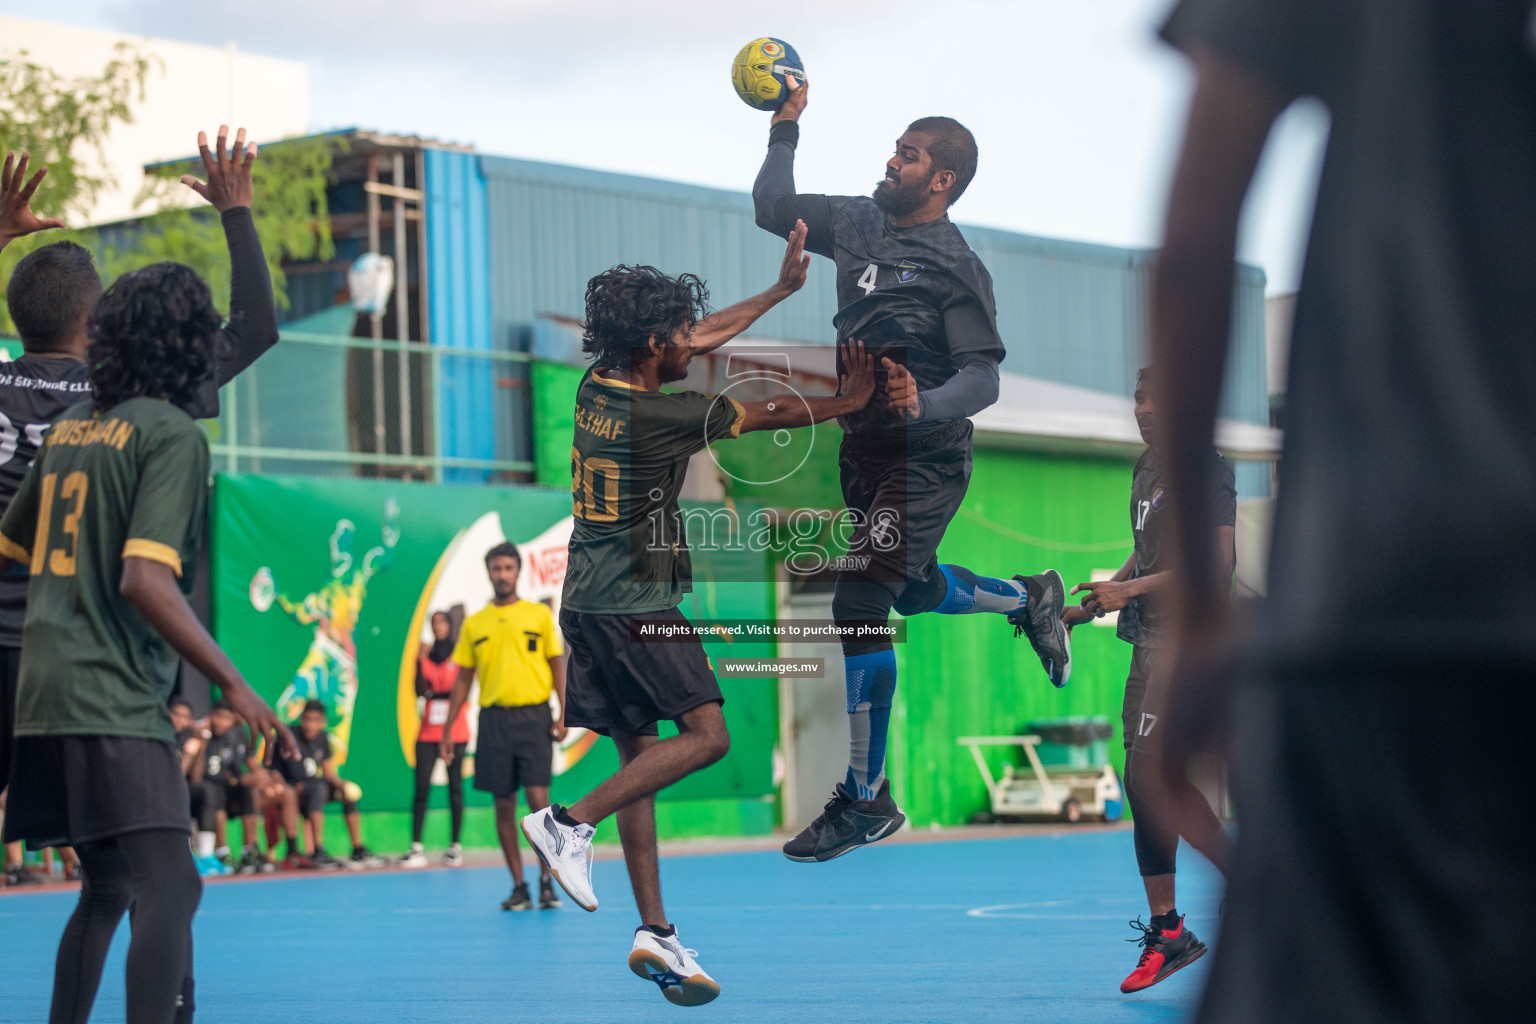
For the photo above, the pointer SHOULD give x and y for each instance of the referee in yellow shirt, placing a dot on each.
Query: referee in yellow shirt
(515, 649)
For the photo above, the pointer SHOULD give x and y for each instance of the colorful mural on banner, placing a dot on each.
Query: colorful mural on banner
(323, 588)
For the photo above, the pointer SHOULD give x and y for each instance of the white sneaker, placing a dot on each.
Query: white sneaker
(566, 850)
(453, 857)
(416, 858)
(672, 967)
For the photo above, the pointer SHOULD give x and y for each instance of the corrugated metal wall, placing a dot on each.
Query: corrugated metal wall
(459, 283)
(1068, 312)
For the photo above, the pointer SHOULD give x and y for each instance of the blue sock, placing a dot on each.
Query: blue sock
(871, 680)
(969, 593)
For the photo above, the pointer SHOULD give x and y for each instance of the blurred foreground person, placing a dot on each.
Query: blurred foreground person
(1386, 868)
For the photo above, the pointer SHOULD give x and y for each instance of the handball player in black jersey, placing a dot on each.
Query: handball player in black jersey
(911, 289)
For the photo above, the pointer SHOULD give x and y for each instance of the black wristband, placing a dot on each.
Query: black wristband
(785, 131)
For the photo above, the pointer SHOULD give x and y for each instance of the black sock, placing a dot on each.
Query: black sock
(564, 818)
(1166, 922)
(669, 932)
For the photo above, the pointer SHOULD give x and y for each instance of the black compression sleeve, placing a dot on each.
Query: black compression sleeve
(252, 327)
(776, 202)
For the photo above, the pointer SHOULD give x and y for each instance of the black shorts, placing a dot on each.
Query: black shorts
(614, 684)
(75, 790)
(10, 675)
(905, 493)
(1141, 717)
(514, 749)
(315, 793)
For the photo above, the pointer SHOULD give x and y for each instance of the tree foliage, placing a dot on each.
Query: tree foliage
(66, 123)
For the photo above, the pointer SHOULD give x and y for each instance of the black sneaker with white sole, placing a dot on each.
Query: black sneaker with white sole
(547, 898)
(519, 899)
(1040, 621)
(846, 824)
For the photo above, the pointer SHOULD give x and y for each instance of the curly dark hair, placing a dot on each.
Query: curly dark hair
(627, 306)
(153, 334)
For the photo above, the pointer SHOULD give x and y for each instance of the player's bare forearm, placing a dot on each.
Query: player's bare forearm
(1230, 117)
(151, 587)
(723, 325)
(790, 411)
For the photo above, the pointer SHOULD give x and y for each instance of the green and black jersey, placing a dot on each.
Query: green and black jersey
(130, 481)
(628, 550)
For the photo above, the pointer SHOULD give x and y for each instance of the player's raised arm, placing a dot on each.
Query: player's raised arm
(723, 325)
(789, 411)
(774, 198)
(252, 327)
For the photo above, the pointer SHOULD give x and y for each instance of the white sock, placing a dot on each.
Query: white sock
(206, 841)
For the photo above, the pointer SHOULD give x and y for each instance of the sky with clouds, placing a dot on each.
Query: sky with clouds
(1076, 105)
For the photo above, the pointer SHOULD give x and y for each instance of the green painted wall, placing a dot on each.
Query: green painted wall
(554, 420)
(285, 525)
(968, 675)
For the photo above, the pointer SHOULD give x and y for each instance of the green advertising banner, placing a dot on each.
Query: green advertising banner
(323, 589)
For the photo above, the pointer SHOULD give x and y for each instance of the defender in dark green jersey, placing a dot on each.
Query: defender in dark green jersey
(629, 566)
(109, 520)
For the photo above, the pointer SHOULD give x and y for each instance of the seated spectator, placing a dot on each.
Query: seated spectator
(280, 813)
(223, 786)
(315, 782)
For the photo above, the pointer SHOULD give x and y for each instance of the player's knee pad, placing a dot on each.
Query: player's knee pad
(924, 595)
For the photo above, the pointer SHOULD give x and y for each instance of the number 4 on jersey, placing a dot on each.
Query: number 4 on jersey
(867, 280)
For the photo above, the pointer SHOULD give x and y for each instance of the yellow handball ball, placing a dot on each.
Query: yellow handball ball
(760, 70)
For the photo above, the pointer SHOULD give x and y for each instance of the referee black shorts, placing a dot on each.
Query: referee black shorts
(514, 749)
(617, 684)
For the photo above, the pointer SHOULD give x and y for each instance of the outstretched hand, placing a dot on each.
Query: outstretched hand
(794, 103)
(858, 380)
(16, 189)
(792, 271)
(262, 720)
(229, 173)
(901, 389)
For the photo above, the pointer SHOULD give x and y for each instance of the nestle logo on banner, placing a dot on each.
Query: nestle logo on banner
(547, 568)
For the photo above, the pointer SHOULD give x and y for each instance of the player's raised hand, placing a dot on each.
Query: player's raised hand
(794, 103)
(858, 380)
(229, 172)
(16, 189)
(792, 271)
(901, 389)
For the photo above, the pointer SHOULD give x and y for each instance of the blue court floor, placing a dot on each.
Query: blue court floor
(1024, 928)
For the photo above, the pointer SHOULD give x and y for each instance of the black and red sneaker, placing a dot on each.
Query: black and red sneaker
(1163, 951)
